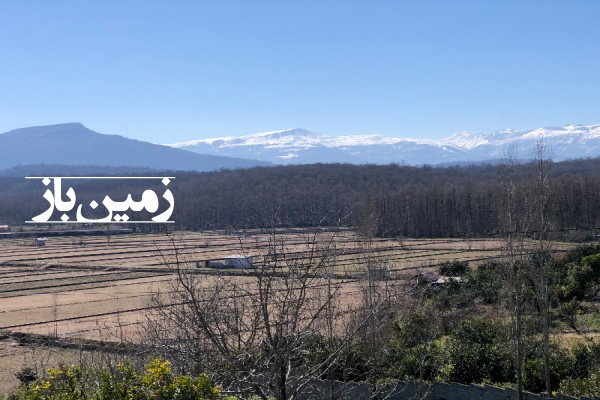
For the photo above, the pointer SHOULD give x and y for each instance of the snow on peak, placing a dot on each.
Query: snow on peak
(466, 140)
(301, 138)
(279, 138)
(300, 145)
(469, 141)
(288, 156)
(567, 130)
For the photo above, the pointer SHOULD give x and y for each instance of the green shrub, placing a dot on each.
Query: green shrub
(454, 268)
(577, 280)
(593, 263)
(561, 365)
(476, 354)
(414, 350)
(485, 282)
(589, 386)
(580, 252)
(586, 359)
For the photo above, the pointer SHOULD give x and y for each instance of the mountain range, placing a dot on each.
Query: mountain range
(300, 146)
(74, 144)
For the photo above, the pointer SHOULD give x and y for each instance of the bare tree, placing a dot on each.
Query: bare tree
(541, 203)
(512, 227)
(55, 314)
(524, 212)
(256, 331)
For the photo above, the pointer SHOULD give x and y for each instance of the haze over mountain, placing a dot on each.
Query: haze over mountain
(74, 144)
(299, 146)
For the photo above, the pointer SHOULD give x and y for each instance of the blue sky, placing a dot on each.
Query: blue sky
(173, 71)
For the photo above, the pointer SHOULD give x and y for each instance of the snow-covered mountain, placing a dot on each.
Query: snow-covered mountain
(299, 146)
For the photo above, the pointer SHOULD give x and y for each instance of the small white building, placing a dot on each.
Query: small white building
(4, 228)
(40, 241)
(444, 280)
(238, 261)
(426, 277)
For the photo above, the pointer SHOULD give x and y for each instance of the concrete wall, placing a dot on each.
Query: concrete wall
(318, 389)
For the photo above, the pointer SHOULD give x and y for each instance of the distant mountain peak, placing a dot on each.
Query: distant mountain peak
(466, 140)
(48, 129)
(74, 144)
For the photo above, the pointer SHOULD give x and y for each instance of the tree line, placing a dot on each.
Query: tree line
(401, 200)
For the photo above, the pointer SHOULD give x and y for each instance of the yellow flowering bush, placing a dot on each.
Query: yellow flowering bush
(125, 382)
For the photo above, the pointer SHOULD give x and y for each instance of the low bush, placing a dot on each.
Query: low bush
(156, 381)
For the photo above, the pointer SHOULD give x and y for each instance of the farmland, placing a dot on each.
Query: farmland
(76, 286)
(95, 287)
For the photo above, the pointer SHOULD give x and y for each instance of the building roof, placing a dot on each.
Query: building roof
(446, 279)
(236, 256)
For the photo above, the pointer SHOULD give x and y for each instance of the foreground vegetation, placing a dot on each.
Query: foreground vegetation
(123, 382)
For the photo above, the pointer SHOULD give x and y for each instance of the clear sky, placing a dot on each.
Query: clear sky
(167, 71)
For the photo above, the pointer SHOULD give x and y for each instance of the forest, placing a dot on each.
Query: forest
(397, 200)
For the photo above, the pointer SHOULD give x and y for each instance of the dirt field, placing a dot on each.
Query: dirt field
(74, 286)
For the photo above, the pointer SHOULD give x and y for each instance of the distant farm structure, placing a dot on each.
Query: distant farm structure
(228, 262)
(238, 262)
